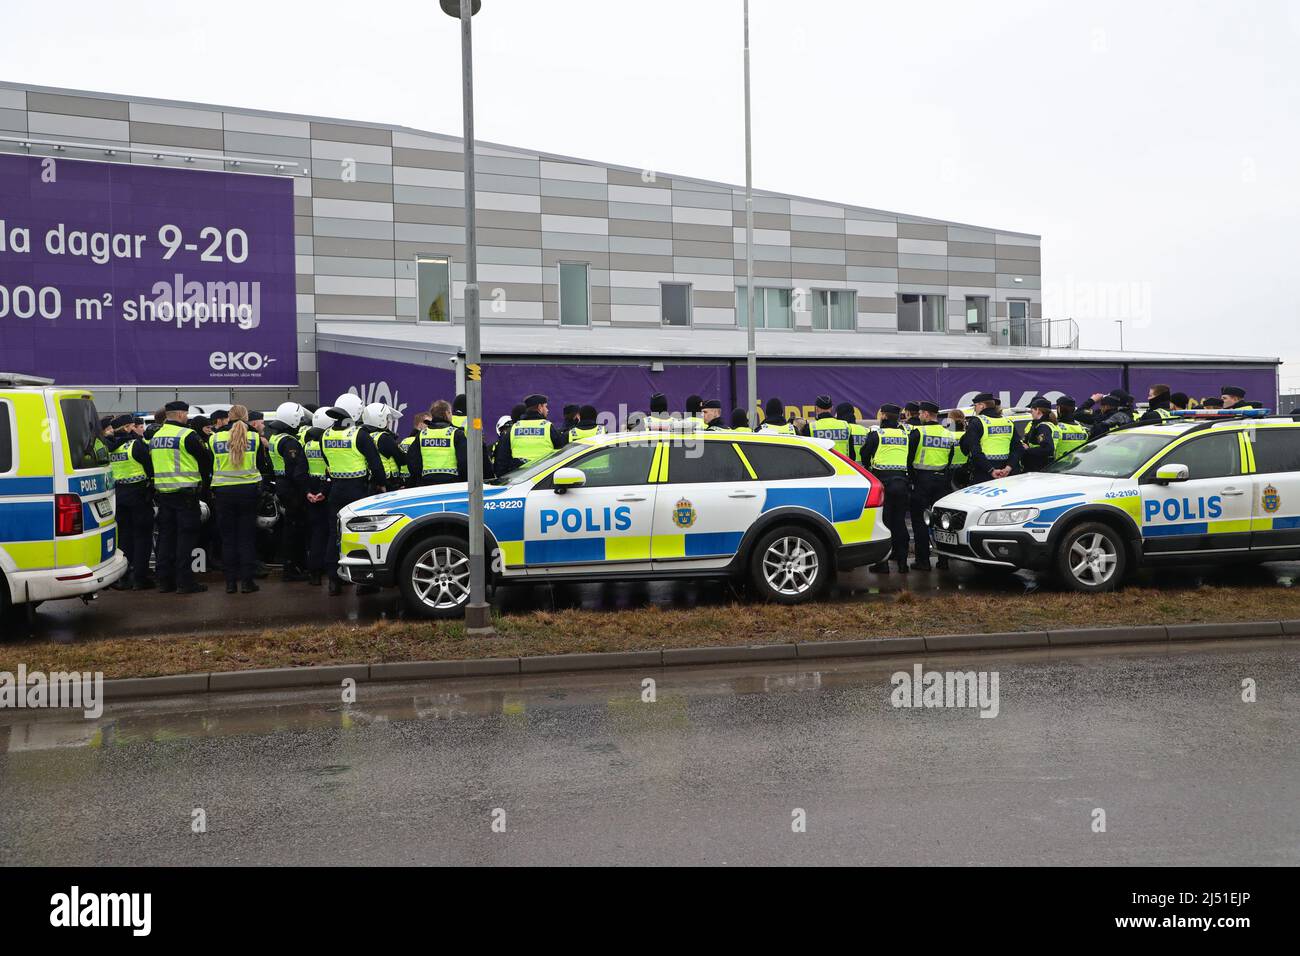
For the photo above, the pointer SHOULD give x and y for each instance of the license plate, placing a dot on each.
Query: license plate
(945, 537)
(103, 507)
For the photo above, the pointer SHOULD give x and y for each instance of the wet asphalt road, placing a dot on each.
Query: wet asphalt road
(710, 773)
(130, 614)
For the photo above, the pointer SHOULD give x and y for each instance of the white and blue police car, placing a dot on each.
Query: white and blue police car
(784, 512)
(1200, 489)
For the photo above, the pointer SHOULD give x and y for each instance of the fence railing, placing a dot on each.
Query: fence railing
(1035, 333)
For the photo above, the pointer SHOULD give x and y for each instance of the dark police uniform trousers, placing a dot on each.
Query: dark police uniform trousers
(293, 537)
(320, 524)
(236, 509)
(135, 528)
(343, 491)
(927, 488)
(897, 500)
(178, 536)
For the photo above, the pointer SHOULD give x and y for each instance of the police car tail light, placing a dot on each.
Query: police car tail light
(876, 496)
(67, 514)
(367, 523)
(1009, 516)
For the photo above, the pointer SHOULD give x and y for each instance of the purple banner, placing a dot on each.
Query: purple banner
(124, 274)
(407, 388)
(1260, 383)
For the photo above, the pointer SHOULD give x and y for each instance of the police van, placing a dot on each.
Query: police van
(782, 511)
(58, 533)
(1194, 489)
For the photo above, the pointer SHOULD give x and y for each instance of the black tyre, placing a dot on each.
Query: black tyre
(1091, 558)
(434, 576)
(790, 565)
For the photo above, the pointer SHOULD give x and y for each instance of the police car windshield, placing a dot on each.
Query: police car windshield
(1112, 456)
(529, 471)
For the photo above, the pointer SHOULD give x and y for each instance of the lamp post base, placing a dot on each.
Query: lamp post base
(478, 620)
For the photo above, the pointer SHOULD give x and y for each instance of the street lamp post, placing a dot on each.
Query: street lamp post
(478, 616)
(751, 355)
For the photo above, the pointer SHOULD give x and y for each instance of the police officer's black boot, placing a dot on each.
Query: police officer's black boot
(249, 586)
(313, 578)
(942, 563)
(336, 587)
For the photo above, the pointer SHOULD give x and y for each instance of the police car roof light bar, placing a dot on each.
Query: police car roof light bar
(19, 378)
(1222, 413)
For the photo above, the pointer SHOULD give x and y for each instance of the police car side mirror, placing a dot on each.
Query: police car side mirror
(566, 478)
(1167, 474)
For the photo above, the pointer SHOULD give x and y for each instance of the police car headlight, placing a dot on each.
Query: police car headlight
(1009, 516)
(367, 523)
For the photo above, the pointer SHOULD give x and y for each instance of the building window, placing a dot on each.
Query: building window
(771, 308)
(433, 287)
(834, 309)
(977, 313)
(575, 294)
(921, 312)
(675, 303)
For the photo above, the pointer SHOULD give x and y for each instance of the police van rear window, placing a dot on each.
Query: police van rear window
(773, 462)
(1276, 449)
(81, 433)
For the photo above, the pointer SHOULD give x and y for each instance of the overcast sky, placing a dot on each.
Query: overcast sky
(1155, 146)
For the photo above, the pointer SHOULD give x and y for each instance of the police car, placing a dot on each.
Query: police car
(1204, 488)
(782, 511)
(58, 532)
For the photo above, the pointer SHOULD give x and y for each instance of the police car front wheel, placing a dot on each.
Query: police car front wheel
(1091, 558)
(434, 576)
(790, 565)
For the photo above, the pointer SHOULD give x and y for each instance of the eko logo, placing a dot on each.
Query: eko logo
(239, 361)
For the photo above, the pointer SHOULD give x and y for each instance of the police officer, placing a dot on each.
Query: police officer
(257, 422)
(356, 472)
(911, 414)
(239, 466)
(827, 425)
(220, 418)
(887, 452)
(990, 441)
(1212, 402)
(1158, 405)
(929, 455)
(1110, 415)
(959, 464)
(375, 419)
(1179, 402)
(182, 465)
(132, 473)
(1235, 397)
(1040, 436)
(159, 419)
(289, 465)
(530, 438)
(586, 426)
(775, 421)
(458, 411)
(318, 486)
(711, 415)
(693, 420)
(739, 420)
(438, 456)
(659, 420)
(1067, 410)
(1068, 434)
(858, 432)
(569, 417)
(403, 463)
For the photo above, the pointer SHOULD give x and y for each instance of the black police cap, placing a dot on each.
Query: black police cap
(588, 412)
(912, 407)
(1233, 390)
(890, 409)
(121, 421)
(710, 403)
(458, 404)
(930, 407)
(844, 412)
(532, 401)
(774, 408)
(1067, 402)
(177, 407)
(984, 397)
(258, 416)
(823, 401)
(571, 409)
(220, 413)
(1111, 399)
(1040, 402)
(658, 402)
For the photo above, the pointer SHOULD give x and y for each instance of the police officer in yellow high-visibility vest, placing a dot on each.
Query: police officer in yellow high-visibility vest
(990, 441)
(930, 454)
(858, 432)
(437, 456)
(887, 452)
(711, 415)
(356, 472)
(318, 486)
(458, 411)
(182, 467)
(693, 421)
(529, 439)
(774, 421)
(1158, 405)
(586, 426)
(239, 466)
(132, 478)
(1040, 436)
(829, 426)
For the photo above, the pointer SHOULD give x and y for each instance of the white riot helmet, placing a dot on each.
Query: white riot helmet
(289, 413)
(375, 415)
(268, 512)
(351, 403)
(322, 419)
(393, 416)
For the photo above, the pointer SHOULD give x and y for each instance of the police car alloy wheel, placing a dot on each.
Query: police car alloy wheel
(1091, 558)
(435, 576)
(790, 565)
